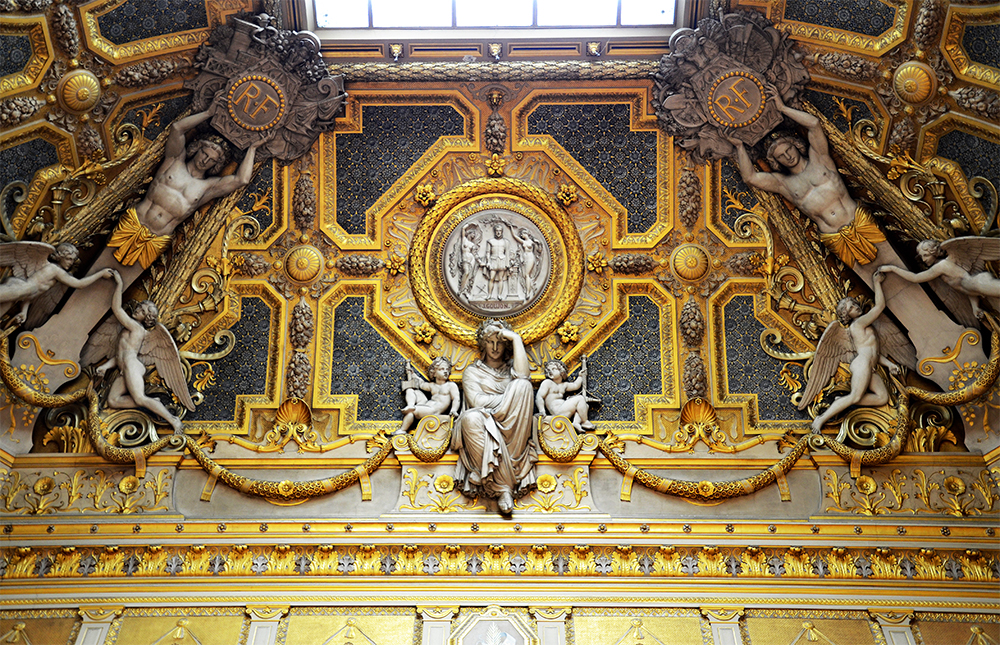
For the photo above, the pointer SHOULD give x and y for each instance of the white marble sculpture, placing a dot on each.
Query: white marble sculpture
(865, 341)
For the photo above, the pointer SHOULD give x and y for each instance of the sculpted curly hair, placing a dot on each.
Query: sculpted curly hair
(842, 308)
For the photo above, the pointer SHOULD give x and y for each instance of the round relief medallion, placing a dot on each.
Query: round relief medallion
(690, 262)
(496, 263)
(914, 82)
(736, 99)
(256, 102)
(79, 90)
(303, 263)
(496, 248)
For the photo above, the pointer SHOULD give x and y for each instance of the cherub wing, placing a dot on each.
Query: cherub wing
(160, 350)
(834, 347)
(43, 305)
(894, 343)
(25, 258)
(102, 342)
(955, 302)
(972, 252)
(536, 248)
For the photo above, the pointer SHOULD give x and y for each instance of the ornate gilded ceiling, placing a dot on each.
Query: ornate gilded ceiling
(299, 302)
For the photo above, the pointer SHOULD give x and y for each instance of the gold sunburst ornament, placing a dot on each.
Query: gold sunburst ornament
(914, 82)
(79, 90)
(690, 262)
(303, 263)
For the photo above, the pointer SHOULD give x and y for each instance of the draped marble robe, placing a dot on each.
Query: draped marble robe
(494, 442)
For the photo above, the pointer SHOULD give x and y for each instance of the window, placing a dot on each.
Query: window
(478, 14)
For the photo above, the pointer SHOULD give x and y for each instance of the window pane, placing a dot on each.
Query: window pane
(647, 12)
(341, 14)
(477, 13)
(577, 13)
(409, 13)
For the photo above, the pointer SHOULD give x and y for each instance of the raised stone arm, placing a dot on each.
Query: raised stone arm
(818, 142)
(178, 131)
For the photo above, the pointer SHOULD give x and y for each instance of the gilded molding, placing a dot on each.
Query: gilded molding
(955, 54)
(896, 568)
(841, 39)
(493, 71)
(112, 493)
(36, 28)
(917, 491)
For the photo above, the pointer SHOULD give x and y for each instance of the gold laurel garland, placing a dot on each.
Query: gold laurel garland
(284, 490)
(981, 385)
(115, 454)
(420, 284)
(886, 453)
(430, 424)
(21, 390)
(706, 491)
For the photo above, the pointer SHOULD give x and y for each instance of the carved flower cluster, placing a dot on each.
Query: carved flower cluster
(299, 369)
(692, 324)
(425, 195)
(848, 66)
(567, 194)
(301, 328)
(689, 197)
(251, 264)
(495, 165)
(632, 263)
(359, 265)
(568, 333)
(147, 72)
(596, 262)
(423, 333)
(694, 378)
(17, 109)
(304, 202)
(495, 134)
(928, 23)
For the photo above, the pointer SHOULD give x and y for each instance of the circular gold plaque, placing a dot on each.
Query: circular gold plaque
(736, 99)
(256, 102)
(519, 218)
(79, 90)
(914, 82)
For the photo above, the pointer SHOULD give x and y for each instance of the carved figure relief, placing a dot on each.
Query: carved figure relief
(496, 263)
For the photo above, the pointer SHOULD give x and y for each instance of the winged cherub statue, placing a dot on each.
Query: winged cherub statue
(961, 264)
(133, 343)
(36, 267)
(864, 340)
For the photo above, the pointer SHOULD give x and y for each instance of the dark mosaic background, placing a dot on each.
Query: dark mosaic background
(393, 138)
(262, 181)
(15, 51)
(365, 364)
(170, 110)
(976, 156)
(628, 363)
(20, 162)
(599, 138)
(244, 370)
(750, 370)
(730, 178)
(982, 44)
(869, 17)
(141, 19)
(825, 103)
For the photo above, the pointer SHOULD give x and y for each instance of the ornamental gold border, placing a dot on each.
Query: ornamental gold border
(229, 316)
(267, 81)
(568, 259)
(137, 49)
(39, 185)
(930, 137)
(352, 123)
(639, 120)
(846, 40)
(37, 30)
(718, 351)
(599, 564)
(957, 57)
